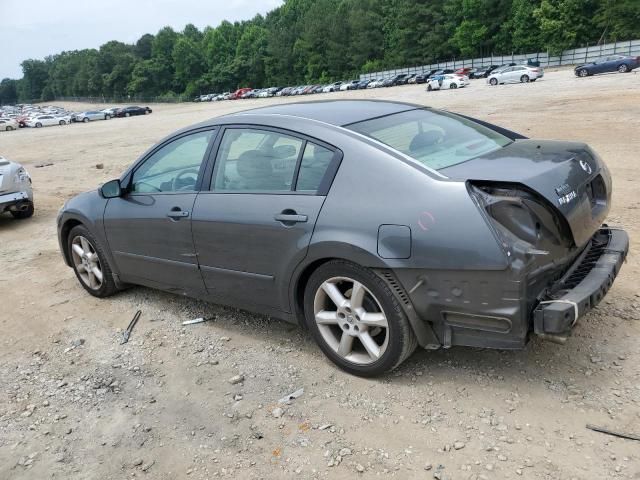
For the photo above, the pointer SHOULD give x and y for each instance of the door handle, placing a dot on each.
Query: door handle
(290, 218)
(177, 213)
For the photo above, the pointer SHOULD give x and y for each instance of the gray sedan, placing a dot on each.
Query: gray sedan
(379, 226)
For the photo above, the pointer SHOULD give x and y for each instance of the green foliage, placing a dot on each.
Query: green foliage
(317, 41)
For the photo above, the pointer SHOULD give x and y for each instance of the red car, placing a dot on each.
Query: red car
(463, 71)
(238, 93)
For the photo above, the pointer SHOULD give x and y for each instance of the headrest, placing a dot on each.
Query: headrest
(424, 140)
(254, 164)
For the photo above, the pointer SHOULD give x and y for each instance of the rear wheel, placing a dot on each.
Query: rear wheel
(85, 120)
(583, 72)
(429, 88)
(62, 122)
(493, 81)
(21, 214)
(524, 78)
(127, 114)
(356, 320)
(90, 263)
(623, 68)
(9, 128)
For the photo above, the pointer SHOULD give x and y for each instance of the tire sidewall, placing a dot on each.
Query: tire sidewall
(395, 317)
(108, 286)
(623, 68)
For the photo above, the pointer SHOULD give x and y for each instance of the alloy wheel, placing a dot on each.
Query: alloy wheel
(623, 68)
(583, 73)
(86, 262)
(351, 320)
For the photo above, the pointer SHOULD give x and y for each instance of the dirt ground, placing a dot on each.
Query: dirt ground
(75, 404)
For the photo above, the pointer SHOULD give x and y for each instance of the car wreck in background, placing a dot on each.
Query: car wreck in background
(16, 195)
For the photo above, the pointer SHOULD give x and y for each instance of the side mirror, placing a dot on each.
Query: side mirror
(111, 189)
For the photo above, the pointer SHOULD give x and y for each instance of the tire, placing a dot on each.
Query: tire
(62, 122)
(623, 68)
(429, 88)
(583, 72)
(389, 337)
(533, 79)
(9, 128)
(524, 78)
(38, 125)
(453, 86)
(107, 286)
(85, 120)
(107, 117)
(493, 81)
(22, 214)
(127, 114)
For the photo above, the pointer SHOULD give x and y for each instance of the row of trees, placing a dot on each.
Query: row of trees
(319, 41)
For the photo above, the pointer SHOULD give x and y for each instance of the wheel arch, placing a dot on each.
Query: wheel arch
(66, 227)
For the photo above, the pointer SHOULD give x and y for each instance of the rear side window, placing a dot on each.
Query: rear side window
(435, 139)
(313, 168)
(253, 160)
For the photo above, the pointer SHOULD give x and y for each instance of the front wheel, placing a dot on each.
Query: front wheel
(524, 78)
(127, 114)
(85, 120)
(453, 86)
(429, 88)
(9, 128)
(583, 72)
(90, 263)
(623, 68)
(493, 81)
(62, 122)
(38, 125)
(356, 320)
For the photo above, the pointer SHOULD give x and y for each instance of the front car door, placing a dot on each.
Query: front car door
(255, 223)
(149, 227)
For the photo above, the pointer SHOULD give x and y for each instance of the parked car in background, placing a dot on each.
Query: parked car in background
(350, 85)
(44, 121)
(110, 111)
(239, 92)
(8, 124)
(449, 81)
(612, 63)
(16, 194)
(332, 87)
(483, 72)
(375, 83)
(91, 116)
(463, 71)
(517, 228)
(395, 80)
(133, 110)
(515, 74)
(362, 84)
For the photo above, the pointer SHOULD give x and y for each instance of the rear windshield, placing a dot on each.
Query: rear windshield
(435, 139)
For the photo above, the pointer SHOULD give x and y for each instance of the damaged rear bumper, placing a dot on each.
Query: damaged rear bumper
(583, 286)
(14, 201)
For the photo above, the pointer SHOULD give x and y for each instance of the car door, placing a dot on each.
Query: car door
(148, 228)
(254, 224)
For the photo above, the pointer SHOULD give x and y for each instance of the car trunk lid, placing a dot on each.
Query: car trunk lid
(569, 176)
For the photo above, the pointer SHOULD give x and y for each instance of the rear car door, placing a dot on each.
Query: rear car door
(255, 223)
(149, 227)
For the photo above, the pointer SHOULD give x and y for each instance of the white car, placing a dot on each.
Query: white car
(348, 85)
(44, 121)
(8, 124)
(16, 194)
(332, 87)
(515, 74)
(448, 81)
(376, 83)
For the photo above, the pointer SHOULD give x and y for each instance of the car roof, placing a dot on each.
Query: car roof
(334, 112)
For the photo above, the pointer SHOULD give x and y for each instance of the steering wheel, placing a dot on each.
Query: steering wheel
(175, 185)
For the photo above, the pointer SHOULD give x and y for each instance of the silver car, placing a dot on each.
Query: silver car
(515, 74)
(91, 116)
(16, 195)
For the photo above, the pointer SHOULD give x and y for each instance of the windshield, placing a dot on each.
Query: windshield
(435, 139)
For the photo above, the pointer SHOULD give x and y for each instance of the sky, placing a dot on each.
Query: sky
(37, 28)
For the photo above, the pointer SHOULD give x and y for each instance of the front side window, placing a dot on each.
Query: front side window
(175, 167)
(256, 160)
(435, 139)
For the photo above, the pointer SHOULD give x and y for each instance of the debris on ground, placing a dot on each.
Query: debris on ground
(127, 333)
(629, 436)
(292, 396)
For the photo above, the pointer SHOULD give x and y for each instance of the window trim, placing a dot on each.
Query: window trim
(128, 178)
(325, 184)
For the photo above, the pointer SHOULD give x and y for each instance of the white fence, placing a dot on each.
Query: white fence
(568, 57)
